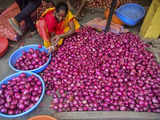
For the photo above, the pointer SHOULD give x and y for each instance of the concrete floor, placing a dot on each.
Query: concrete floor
(43, 108)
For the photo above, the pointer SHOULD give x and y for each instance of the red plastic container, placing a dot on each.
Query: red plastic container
(3, 45)
(42, 117)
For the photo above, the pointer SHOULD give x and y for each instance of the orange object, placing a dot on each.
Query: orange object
(115, 19)
(3, 46)
(42, 117)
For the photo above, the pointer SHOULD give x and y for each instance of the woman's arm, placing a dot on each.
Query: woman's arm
(81, 7)
(69, 5)
(71, 31)
(56, 38)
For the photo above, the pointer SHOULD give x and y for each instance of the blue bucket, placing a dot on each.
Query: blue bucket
(18, 53)
(5, 81)
(130, 13)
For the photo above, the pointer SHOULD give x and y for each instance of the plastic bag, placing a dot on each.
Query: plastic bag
(99, 24)
(5, 28)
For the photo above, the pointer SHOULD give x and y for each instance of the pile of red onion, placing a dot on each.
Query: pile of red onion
(31, 60)
(103, 72)
(105, 3)
(19, 94)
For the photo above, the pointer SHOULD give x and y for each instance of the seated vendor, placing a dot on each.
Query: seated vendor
(56, 24)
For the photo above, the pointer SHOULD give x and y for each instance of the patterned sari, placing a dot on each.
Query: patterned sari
(62, 27)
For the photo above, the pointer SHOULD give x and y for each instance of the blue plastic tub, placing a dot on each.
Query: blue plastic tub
(5, 81)
(130, 13)
(18, 53)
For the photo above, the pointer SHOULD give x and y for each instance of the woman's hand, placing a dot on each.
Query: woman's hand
(54, 42)
(51, 49)
(56, 38)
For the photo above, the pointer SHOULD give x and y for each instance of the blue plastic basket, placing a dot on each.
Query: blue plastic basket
(130, 13)
(5, 81)
(18, 53)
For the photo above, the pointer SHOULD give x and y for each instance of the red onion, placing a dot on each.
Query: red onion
(4, 110)
(31, 60)
(103, 72)
(16, 98)
(10, 112)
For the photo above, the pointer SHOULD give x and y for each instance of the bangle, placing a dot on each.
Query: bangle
(60, 36)
(52, 47)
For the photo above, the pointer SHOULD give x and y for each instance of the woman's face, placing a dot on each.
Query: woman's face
(60, 15)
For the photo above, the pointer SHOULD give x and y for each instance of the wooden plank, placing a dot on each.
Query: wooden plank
(100, 115)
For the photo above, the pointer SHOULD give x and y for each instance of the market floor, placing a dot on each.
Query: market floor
(43, 108)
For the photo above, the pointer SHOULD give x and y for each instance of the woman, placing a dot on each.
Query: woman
(26, 7)
(56, 24)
